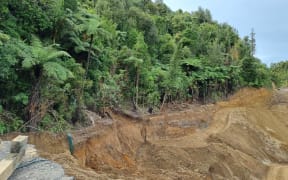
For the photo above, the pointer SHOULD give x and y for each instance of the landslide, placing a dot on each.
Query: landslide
(243, 138)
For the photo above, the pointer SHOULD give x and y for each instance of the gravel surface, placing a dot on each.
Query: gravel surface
(33, 167)
(39, 169)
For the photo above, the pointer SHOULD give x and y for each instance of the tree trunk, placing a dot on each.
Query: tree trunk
(87, 64)
(163, 102)
(94, 3)
(89, 53)
(137, 88)
(33, 108)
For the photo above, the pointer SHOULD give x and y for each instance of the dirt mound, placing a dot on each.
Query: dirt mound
(243, 138)
(249, 97)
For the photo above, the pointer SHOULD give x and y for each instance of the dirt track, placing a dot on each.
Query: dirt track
(243, 138)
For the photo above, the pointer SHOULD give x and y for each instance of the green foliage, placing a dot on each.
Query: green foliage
(3, 8)
(31, 17)
(202, 15)
(9, 52)
(57, 71)
(166, 48)
(279, 73)
(71, 4)
(60, 56)
(9, 122)
(3, 38)
(21, 98)
(51, 122)
(47, 58)
(2, 128)
(254, 73)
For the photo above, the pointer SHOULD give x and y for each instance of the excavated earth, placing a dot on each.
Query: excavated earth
(243, 138)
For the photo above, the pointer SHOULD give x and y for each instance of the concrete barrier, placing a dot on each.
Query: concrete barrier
(11, 161)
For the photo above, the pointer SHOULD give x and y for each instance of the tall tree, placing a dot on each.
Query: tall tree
(253, 42)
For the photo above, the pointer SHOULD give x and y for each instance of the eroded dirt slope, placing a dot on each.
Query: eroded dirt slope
(243, 138)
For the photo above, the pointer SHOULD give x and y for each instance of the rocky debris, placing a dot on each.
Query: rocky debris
(95, 119)
(32, 166)
(39, 168)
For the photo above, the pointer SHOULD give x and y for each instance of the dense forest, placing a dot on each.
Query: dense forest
(59, 57)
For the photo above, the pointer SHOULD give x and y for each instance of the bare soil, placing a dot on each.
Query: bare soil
(243, 138)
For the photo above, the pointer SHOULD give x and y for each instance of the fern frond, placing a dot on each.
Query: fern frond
(28, 62)
(57, 54)
(36, 42)
(57, 71)
(192, 62)
(3, 37)
(133, 60)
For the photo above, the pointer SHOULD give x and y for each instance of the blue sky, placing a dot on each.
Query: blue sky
(268, 18)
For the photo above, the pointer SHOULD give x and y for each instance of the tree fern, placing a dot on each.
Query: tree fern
(49, 70)
(41, 54)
